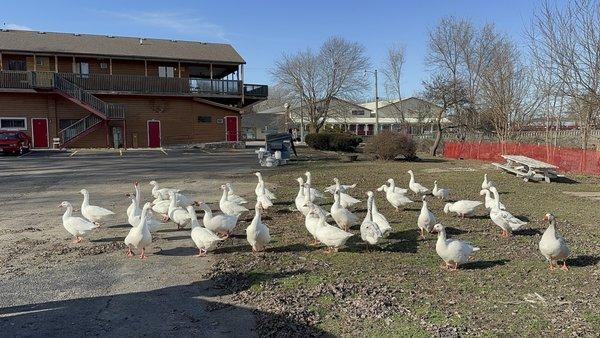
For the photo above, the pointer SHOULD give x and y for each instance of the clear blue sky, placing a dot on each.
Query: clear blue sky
(262, 30)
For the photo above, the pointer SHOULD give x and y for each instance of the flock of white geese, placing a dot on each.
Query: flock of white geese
(171, 205)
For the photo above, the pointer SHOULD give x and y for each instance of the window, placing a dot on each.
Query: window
(166, 71)
(358, 112)
(103, 65)
(17, 65)
(204, 119)
(41, 61)
(64, 123)
(13, 123)
(82, 68)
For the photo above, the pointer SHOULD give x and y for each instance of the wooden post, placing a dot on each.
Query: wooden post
(179, 68)
(124, 133)
(107, 134)
(242, 84)
(1, 63)
(56, 63)
(145, 67)
(74, 65)
(211, 72)
(34, 63)
(110, 66)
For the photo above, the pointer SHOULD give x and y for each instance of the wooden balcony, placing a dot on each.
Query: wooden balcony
(161, 85)
(135, 84)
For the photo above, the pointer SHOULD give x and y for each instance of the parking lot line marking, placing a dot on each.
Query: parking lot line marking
(27, 153)
(161, 149)
(73, 153)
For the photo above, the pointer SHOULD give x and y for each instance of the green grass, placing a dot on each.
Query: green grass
(488, 297)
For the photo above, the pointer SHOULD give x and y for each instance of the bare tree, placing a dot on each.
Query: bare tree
(508, 98)
(392, 71)
(337, 70)
(565, 41)
(451, 96)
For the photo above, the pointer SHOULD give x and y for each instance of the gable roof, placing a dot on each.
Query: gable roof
(88, 44)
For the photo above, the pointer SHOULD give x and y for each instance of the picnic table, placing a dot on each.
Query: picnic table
(528, 168)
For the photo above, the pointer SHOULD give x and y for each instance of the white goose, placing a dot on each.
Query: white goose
(453, 252)
(553, 246)
(260, 185)
(228, 207)
(204, 239)
(138, 198)
(176, 213)
(415, 187)
(257, 233)
(345, 199)
(337, 186)
(378, 218)
(490, 201)
(332, 237)
(395, 198)
(262, 198)
(221, 224)
(161, 207)
(231, 196)
(311, 222)
(162, 194)
(494, 192)
(441, 193)
(136, 215)
(369, 230)
(342, 216)
(76, 226)
(313, 192)
(93, 213)
(426, 219)
(505, 220)
(299, 200)
(395, 188)
(307, 204)
(184, 201)
(462, 208)
(139, 236)
(486, 184)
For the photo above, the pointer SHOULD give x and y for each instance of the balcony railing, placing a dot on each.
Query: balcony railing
(133, 84)
(256, 90)
(15, 79)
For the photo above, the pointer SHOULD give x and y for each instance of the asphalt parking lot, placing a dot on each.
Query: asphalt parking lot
(53, 287)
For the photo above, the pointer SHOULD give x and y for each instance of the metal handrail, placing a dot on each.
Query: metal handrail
(79, 127)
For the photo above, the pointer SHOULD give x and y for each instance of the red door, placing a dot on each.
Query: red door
(39, 129)
(153, 134)
(231, 128)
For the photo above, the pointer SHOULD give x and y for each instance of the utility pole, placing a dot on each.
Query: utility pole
(301, 121)
(376, 131)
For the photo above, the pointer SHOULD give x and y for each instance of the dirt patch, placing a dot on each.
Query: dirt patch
(447, 170)
(594, 195)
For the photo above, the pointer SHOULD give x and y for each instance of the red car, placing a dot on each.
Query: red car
(16, 142)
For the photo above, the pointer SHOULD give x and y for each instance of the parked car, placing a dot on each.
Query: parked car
(16, 142)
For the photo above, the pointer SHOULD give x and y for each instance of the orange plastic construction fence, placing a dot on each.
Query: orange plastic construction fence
(567, 159)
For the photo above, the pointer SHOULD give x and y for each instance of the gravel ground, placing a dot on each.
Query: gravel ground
(53, 287)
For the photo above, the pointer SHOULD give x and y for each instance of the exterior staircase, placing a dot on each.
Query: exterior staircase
(100, 111)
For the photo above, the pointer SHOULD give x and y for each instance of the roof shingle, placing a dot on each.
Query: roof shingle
(102, 45)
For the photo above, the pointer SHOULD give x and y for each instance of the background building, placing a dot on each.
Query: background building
(106, 91)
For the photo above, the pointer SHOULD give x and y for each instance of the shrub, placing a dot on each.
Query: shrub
(333, 141)
(389, 145)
